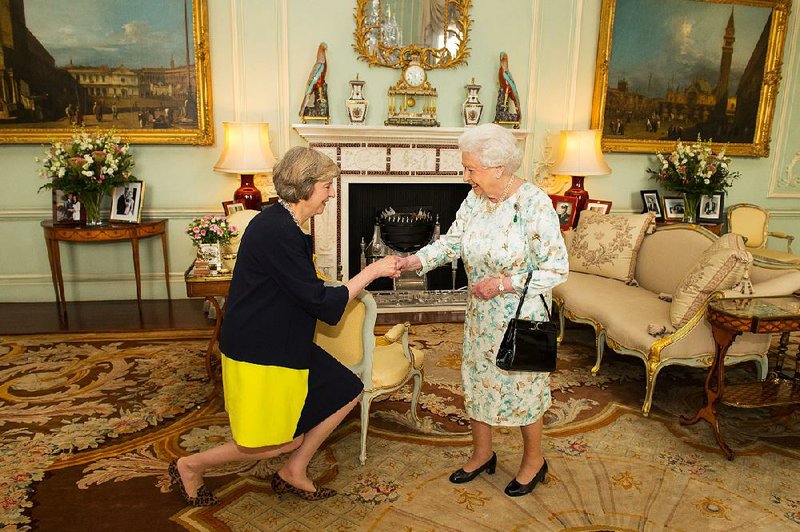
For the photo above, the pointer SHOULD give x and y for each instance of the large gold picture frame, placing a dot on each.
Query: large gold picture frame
(141, 68)
(669, 69)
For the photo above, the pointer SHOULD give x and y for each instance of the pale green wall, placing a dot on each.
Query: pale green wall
(247, 82)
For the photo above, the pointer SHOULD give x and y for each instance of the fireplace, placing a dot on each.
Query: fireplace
(388, 166)
(366, 202)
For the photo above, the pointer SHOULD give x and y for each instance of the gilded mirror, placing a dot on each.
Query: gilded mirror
(389, 32)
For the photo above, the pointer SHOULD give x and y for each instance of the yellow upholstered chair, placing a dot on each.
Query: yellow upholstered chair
(240, 220)
(752, 222)
(384, 364)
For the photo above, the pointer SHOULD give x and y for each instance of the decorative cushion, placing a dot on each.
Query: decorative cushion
(607, 244)
(720, 267)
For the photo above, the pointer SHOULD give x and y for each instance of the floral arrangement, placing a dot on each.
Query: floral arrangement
(211, 230)
(694, 169)
(87, 163)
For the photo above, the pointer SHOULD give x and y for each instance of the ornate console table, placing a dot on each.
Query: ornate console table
(53, 234)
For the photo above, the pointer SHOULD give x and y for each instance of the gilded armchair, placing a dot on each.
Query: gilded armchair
(384, 364)
(752, 222)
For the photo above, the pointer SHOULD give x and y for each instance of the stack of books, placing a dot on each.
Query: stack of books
(201, 269)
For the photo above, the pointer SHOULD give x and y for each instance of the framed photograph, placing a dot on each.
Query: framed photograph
(601, 206)
(141, 67)
(126, 202)
(711, 208)
(698, 67)
(567, 210)
(674, 208)
(651, 202)
(232, 206)
(68, 209)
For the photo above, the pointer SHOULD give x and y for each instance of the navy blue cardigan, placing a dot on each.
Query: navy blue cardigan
(275, 297)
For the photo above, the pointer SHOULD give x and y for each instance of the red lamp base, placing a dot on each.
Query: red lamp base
(248, 193)
(577, 191)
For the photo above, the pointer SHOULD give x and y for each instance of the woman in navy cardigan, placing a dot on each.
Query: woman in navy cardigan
(283, 393)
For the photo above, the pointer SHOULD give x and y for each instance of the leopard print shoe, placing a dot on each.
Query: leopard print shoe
(280, 486)
(204, 497)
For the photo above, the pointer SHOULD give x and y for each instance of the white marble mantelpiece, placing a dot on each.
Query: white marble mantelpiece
(317, 134)
(383, 154)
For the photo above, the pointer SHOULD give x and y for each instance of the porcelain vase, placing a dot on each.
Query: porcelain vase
(472, 108)
(210, 254)
(357, 105)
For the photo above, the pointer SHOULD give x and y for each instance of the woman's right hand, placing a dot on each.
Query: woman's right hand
(386, 267)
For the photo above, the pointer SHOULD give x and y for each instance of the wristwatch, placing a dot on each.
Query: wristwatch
(502, 286)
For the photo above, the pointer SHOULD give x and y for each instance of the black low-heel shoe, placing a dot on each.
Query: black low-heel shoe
(515, 489)
(461, 476)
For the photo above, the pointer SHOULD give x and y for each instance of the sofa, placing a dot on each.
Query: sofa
(634, 315)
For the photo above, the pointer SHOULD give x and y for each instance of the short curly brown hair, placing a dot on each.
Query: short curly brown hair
(294, 176)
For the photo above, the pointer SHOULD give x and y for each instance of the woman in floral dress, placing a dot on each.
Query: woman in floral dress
(504, 229)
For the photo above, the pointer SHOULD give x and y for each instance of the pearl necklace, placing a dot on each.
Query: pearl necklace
(291, 212)
(491, 207)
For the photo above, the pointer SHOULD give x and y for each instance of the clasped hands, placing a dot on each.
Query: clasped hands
(394, 265)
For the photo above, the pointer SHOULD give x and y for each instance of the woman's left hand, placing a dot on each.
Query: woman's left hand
(486, 289)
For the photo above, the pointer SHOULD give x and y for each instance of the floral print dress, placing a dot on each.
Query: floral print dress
(519, 235)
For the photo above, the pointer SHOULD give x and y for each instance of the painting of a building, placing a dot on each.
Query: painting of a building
(32, 87)
(653, 96)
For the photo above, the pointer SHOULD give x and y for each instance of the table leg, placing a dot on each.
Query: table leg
(783, 348)
(715, 384)
(166, 261)
(59, 273)
(51, 259)
(215, 334)
(136, 272)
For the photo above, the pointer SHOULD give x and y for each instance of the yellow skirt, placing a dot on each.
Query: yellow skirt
(264, 403)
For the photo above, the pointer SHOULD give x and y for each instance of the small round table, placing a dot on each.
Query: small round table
(54, 233)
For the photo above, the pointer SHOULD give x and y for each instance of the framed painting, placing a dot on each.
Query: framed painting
(708, 68)
(674, 208)
(711, 208)
(141, 68)
(126, 202)
(567, 210)
(651, 202)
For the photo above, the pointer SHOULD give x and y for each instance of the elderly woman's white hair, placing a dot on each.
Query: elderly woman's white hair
(494, 146)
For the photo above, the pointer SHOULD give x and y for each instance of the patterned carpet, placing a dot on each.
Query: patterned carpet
(90, 422)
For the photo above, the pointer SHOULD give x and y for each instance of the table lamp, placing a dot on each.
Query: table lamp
(246, 152)
(580, 155)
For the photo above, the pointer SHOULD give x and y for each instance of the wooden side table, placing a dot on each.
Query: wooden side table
(53, 234)
(729, 318)
(209, 287)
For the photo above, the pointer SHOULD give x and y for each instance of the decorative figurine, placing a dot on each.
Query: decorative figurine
(356, 105)
(412, 100)
(508, 91)
(317, 89)
(473, 108)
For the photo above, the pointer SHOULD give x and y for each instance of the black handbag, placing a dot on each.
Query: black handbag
(529, 345)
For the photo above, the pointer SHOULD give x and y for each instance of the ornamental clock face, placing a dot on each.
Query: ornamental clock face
(414, 75)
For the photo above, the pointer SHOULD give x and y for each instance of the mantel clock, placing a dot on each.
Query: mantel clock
(412, 100)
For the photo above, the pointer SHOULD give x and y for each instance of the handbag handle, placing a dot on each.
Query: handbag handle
(522, 299)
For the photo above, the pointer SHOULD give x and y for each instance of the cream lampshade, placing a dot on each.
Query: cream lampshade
(246, 152)
(580, 155)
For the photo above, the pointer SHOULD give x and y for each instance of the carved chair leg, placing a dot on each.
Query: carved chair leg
(600, 344)
(417, 375)
(652, 374)
(366, 402)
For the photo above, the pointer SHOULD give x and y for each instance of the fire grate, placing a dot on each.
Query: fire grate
(454, 299)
